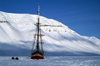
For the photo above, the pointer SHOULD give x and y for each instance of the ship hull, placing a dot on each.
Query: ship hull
(37, 55)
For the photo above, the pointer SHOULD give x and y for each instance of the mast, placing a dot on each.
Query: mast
(38, 29)
(38, 51)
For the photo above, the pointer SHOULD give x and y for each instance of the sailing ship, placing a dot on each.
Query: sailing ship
(37, 48)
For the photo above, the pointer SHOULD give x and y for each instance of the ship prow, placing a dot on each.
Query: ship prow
(37, 55)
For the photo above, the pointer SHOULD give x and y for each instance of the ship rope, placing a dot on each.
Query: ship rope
(41, 41)
(34, 41)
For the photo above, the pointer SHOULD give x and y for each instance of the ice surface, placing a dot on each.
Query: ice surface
(52, 61)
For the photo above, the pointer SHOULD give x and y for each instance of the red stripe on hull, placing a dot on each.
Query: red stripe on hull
(37, 55)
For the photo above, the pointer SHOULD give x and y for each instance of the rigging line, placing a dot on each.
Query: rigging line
(41, 41)
(34, 41)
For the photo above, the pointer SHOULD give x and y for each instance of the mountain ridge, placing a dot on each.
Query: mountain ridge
(19, 30)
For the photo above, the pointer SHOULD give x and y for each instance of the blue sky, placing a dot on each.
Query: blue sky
(82, 16)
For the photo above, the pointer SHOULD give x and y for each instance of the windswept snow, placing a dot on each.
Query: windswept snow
(52, 61)
(17, 31)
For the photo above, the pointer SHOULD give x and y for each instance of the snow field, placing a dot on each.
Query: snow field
(52, 61)
(19, 29)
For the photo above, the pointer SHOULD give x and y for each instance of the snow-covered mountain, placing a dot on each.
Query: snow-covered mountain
(17, 31)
